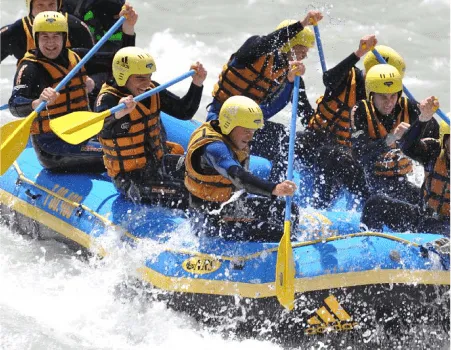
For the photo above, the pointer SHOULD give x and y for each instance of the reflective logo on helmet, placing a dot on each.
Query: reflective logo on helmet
(257, 121)
(150, 65)
(388, 83)
(123, 63)
(50, 20)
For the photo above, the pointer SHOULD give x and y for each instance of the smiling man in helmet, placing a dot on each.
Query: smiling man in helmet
(134, 140)
(17, 38)
(38, 73)
(432, 213)
(217, 164)
(263, 69)
(380, 121)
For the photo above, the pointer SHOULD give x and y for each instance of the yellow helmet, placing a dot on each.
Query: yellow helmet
(49, 21)
(240, 111)
(28, 3)
(383, 79)
(444, 130)
(131, 60)
(391, 56)
(305, 37)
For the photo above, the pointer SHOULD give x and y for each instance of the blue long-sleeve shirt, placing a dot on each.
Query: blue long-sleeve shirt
(218, 156)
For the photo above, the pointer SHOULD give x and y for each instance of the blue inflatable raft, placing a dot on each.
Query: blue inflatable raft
(348, 283)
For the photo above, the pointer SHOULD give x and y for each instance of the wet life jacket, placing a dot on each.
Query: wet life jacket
(28, 29)
(436, 186)
(256, 81)
(394, 162)
(73, 97)
(205, 183)
(144, 141)
(333, 114)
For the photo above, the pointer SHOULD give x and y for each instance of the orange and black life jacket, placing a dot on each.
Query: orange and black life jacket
(393, 162)
(144, 141)
(209, 185)
(256, 81)
(28, 29)
(436, 186)
(73, 97)
(333, 114)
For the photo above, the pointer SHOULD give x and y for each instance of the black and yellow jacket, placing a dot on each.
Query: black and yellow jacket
(344, 87)
(256, 69)
(73, 97)
(369, 138)
(139, 139)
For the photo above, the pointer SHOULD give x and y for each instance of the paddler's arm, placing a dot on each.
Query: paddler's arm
(219, 157)
(28, 85)
(13, 40)
(335, 78)
(418, 148)
(186, 107)
(257, 46)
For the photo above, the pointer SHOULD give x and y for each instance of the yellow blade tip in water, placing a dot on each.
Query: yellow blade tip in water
(285, 270)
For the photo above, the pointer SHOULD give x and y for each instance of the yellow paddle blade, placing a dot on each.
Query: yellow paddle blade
(285, 270)
(14, 138)
(8, 129)
(77, 127)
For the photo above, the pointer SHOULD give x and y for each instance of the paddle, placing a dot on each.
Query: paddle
(285, 269)
(15, 143)
(5, 106)
(319, 45)
(407, 92)
(77, 127)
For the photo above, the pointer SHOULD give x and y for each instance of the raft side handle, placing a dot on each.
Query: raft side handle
(31, 195)
(79, 212)
(237, 264)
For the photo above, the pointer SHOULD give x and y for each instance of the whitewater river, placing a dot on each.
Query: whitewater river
(51, 299)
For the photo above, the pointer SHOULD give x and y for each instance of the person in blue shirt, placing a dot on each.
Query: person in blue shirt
(217, 165)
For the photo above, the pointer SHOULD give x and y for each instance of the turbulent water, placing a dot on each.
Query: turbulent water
(52, 299)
